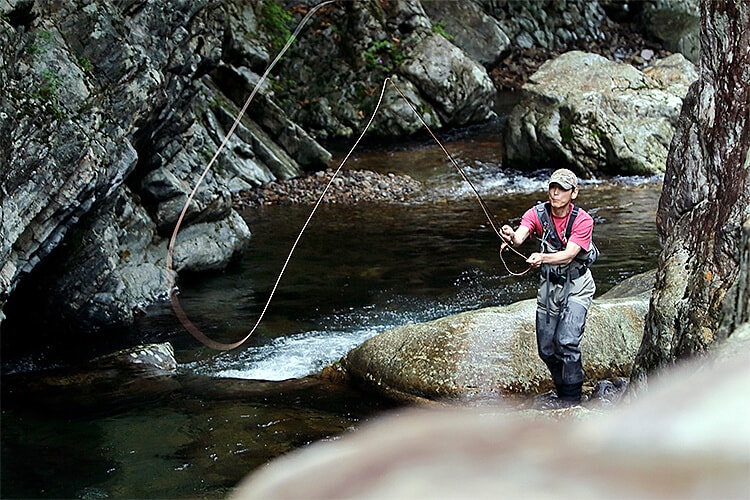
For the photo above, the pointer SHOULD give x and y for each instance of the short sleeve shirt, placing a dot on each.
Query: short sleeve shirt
(580, 233)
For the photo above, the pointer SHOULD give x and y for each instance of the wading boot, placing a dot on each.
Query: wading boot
(570, 394)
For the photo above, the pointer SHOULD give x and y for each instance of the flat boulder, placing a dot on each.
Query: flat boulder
(492, 351)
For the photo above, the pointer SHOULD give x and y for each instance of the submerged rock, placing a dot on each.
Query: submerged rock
(108, 383)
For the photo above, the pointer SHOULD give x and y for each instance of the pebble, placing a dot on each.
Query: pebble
(349, 187)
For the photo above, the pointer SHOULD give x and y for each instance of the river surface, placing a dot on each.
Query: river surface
(358, 270)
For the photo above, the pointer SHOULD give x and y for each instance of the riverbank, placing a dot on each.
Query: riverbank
(350, 186)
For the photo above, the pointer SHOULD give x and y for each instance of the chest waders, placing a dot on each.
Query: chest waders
(564, 297)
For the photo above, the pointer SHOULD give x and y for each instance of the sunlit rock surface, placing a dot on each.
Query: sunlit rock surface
(598, 116)
(493, 350)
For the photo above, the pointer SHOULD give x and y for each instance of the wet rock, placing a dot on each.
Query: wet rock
(109, 383)
(491, 351)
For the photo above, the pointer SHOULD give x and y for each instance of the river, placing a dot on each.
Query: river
(357, 271)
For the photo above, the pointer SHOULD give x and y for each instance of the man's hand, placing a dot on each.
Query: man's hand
(507, 233)
(535, 259)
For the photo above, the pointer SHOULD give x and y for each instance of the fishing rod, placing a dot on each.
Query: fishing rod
(172, 290)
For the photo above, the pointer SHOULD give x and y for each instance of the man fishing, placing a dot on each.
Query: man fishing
(567, 287)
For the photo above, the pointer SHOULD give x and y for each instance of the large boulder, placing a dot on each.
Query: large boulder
(597, 116)
(481, 352)
(459, 87)
(471, 29)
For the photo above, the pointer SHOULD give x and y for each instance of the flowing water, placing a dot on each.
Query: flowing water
(357, 271)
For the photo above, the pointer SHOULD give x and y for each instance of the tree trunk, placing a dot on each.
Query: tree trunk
(705, 199)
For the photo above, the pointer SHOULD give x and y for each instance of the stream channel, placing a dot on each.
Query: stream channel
(358, 270)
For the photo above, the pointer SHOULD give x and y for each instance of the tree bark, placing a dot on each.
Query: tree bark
(705, 199)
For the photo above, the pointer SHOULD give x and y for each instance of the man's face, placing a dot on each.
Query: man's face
(560, 197)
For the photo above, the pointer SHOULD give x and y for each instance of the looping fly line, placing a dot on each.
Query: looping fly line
(506, 246)
(179, 311)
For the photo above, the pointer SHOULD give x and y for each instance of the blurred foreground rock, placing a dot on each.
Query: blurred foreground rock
(688, 437)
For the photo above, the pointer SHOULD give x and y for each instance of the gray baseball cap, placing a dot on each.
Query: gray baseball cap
(565, 178)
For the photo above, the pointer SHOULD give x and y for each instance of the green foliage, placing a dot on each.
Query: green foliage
(276, 22)
(566, 133)
(42, 40)
(51, 83)
(86, 65)
(46, 93)
(597, 134)
(439, 29)
(384, 55)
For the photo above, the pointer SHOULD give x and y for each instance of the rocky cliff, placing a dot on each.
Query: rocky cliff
(109, 110)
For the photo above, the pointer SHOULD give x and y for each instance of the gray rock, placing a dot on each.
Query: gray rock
(676, 23)
(490, 350)
(546, 23)
(396, 114)
(112, 266)
(211, 245)
(154, 358)
(597, 116)
(460, 88)
(469, 28)
(97, 93)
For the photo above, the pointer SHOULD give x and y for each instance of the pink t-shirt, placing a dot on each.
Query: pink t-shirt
(580, 233)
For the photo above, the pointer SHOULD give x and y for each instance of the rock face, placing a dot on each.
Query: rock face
(109, 112)
(367, 42)
(705, 202)
(425, 45)
(112, 109)
(494, 349)
(597, 116)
